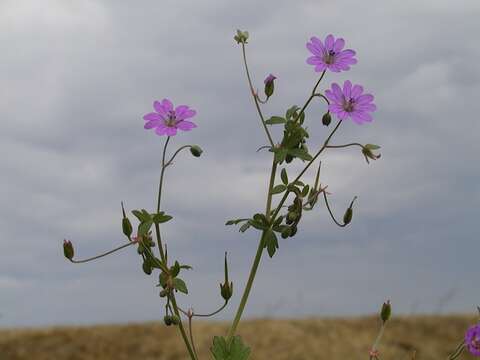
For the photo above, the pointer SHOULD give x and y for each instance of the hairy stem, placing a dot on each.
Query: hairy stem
(102, 255)
(182, 329)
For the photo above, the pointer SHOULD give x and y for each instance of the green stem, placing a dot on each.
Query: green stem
(257, 105)
(102, 255)
(256, 261)
(182, 329)
(160, 186)
(313, 94)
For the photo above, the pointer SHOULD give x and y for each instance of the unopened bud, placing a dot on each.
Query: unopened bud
(326, 119)
(368, 153)
(68, 249)
(175, 320)
(126, 224)
(147, 268)
(196, 150)
(226, 289)
(163, 293)
(386, 311)
(167, 319)
(269, 85)
(347, 218)
(241, 37)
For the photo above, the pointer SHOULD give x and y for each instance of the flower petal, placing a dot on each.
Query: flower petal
(320, 67)
(338, 45)
(329, 40)
(338, 92)
(315, 60)
(161, 130)
(364, 99)
(187, 114)
(151, 124)
(152, 116)
(186, 125)
(167, 105)
(357, 90)
(171, 131)
(347, 89)
(314, 50)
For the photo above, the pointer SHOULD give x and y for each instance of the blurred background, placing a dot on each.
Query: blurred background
(76, 77)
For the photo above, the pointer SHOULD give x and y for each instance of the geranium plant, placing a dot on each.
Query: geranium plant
(288, 198)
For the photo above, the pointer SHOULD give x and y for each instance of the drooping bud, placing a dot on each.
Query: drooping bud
(126, 224)
(347, 218)
(196, 150)
(386, 311)
(226, 289)
(163, 293)
(368, 153)
(167, 319)
(68, 249)
(241, 37)
(326, 119)
(175, 320)
(147, 267)
(269, 85)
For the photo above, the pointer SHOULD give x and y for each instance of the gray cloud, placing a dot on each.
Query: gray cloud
(77, 77)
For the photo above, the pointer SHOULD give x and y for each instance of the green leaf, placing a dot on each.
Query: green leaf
(175, 269)
(275, 120)
(279, 189)
(236, 350)
(257, 225)
(144, 227)
(260, 218)
(300, 153)
(180, 285)
(235, 221)
(140, 215)
(291, 111)
(186, 267)
(161, 218)
(280, 155)
(270, 242)
(284, 176)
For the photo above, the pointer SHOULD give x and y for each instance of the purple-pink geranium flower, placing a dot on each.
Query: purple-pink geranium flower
(350, 102)
(472, 339)
(166, 120)
(330, 54)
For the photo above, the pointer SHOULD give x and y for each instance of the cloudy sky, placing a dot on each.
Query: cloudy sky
(77, 76)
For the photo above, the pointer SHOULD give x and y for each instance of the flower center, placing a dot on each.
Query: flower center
(171, 119)
(349, 105)
(329, 57)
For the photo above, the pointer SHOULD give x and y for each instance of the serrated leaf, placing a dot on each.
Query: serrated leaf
(236, 350)
(279, 189)
(180, 285)
(300, 153)
(284, 176)
(275, 120)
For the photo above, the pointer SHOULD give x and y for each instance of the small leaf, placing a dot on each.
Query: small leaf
(300, 153)
(236, 350)
(144, 227)
(140, 215)
(186, 267)
(175, 269)
(180, 285)
(284, 176)
(161, 218)
(279, 189)
(257, 225)
(275, 120)
(235, 221)
(280, 155)
(270, 242)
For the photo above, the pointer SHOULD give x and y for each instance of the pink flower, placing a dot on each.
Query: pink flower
(166, 120)
(330, 54)
(472, 339)
(350, 102)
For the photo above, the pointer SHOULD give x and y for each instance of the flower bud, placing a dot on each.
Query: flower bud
(241, 37)
(326, 119)
(163, 293)
(68, 249)
(368, 153)
(126, 224)
(167, 319)
(226, 289)
(196, 150)
(386, 311)
(347, 218)
(147, 268)
(269, 85)
(175, 320)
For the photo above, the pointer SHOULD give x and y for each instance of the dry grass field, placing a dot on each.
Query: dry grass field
(433, 337)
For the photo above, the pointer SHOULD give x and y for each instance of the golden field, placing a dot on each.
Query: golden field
(433, 338)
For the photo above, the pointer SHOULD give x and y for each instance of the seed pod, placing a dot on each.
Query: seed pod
(347, 218)
(126, 224)
(226, 289)
(68, 250)
(147, 268)
(175, 320)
